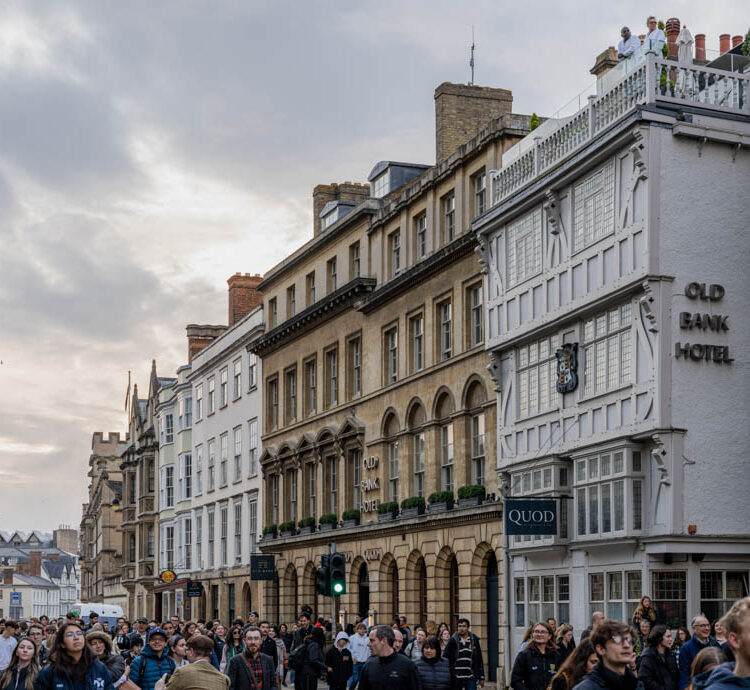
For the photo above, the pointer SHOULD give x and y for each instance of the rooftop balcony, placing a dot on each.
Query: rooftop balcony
(649, 80)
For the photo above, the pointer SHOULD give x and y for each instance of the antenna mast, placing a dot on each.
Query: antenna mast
(471, 62)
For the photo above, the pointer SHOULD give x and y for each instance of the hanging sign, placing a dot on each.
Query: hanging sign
(530, 516)
(262, 567)
(567, 368)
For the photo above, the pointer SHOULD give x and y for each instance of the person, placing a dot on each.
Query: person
(465, 657)
(718, 632)
(736, 625)
(339, 664)
(178, 650)
(199, 674)
(644, 630)
(176, 624)
(443, 626)
(398, 640)
(414, 648)
(552, 624)
(526, 639)
(405, 629)
(71, 664)
(101, 646)
(219, 632)
(596, 618)
(655, 37)
(564, 641)
(645, 609)
(268, 645)
(445, 638)
(23, 668)
(141, 630)
(302, 631)
(613, 643)
(240, 666)
(234, 645)
(36, 633)
(682, 635)
(153, 662)
(360, 649)
(704, 664)
(93, 620)
(658, 668)
(273, 633)
(8, 643)
(628, 45)
(253, 618)
(700, 640)
(535, 666)
(122, 638)
(306, 677)
(191, 628)
(580, 662)
(385, 669)
(434, 670)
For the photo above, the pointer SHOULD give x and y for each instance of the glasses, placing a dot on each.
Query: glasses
(650, 23)
(702, 625)
(622, 639)
(72, 635)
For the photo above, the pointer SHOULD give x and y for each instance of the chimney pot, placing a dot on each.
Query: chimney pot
(244, 296)
(736, 40)
(336, 191)
(700, 46)
(200, 336)
(724, 45)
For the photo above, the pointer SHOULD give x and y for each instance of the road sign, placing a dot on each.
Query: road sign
(15, 597)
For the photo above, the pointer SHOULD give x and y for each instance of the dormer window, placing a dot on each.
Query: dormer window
(330, 219)
(333, 211)
(381, 185)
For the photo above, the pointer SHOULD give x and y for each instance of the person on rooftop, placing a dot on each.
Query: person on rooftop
(654, 34)
(628, 45)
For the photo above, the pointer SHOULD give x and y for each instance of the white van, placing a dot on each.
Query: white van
(106, 612)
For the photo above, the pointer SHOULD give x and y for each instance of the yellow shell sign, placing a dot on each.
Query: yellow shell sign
(167, 576)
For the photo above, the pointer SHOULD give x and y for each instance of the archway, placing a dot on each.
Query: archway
(309, 595)
(363, 598)
(486, 582)
(493, 594)
(289, 602)
(416, 589)
(454, 610)
(388, 589)
(247, 600)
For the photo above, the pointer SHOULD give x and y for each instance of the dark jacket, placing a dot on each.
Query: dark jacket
(268, 647)
(298, 636)
(288, 639)
(602, 677)
(435, 674)
(560, 683)
(96, 677)
(477, 662)
(154, 667)
(123, 642)
(341, 665)
(115, 665)
(394, 672)
(314, 665)
(728, 651)
(18, 681)
(688, 652)
(533, 670)
(723, 678)
(658, 672)
(239, 673)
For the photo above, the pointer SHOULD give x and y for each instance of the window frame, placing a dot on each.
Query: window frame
(420, 236)
(448, 206)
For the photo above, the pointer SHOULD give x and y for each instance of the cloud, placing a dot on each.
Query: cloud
(10, 446)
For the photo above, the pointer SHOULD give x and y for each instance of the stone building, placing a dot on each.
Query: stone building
(101, 542)
(376, 390)
(615, 251)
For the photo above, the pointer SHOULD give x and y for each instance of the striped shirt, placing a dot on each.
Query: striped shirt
(463, 668)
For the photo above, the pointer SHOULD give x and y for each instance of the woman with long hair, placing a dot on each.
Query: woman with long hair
(645, 609)
(234, 645)
(580, 662)
(564, 641)
(703, 666)
(72, 665)
(190, 628)
(718, 632)
(101, 645)
(526, 640)
(275, 635)
(445, 636)
(177, 646)
(658, 668)
(537, 663)
(23, 668)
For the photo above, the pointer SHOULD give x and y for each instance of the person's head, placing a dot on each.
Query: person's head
(136, 646)
(564, 634)
(651, 23)
(541, 634)
(382, 640)
(43, 620)
(125, 628)
(552, 624)
(199, 647)
(100, 643)
(613, 642)
(175, 620)
(402, 621)
(93, 618)
(431, 648)
(361, 629)
(645, 602)
(11, 628)
(398, 640)
(264, 627)
(168, 628)
(736, 626)
(596, 618)
(625, 33)
(219, 630)
(443, 626)
(36, 633)
(579, 662)
(706, 660)
(142, 624)
(157, 640)
(70, 654)
(303, 620)
(463, 626)
(644, 626)
(716, 629)
(235, 636)
(178, 646)
(273, 631)
(190, 629)
(445, 635)
(253, 638)
(701, 627)
(342, 639)
(283, 629)
(420, 636)
(660, 635)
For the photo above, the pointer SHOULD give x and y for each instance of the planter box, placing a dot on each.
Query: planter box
(440, 506)
(268, 537)
(284, 535)
(472, 501)
(306, 530)
(354, 522)
(387, 517)
(412, 512)
(327, 526)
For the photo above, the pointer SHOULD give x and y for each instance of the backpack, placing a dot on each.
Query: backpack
(297, 657)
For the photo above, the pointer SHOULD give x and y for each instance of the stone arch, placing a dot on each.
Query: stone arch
(247, 600)
(289, 599)
(390, 425)
(309, 591)
(416, 415)
(388, 595)
(446, 587)
(474, 393)
(326, 435)
(359, 587)
(444, 404)
(415, 589)
(485, 613)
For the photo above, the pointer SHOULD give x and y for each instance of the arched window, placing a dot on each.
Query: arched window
(363, 599)
(453, 593)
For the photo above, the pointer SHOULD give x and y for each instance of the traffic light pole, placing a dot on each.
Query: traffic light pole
(334, 600)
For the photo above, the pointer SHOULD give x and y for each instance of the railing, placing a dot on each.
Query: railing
(145, 504)
(653, 79)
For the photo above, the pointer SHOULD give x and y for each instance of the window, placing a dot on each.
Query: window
(291, 478)
(291, 396)
(311, 377)
(539, 598)
(524, 247)
(332, 481)
(381, 185)
(252, 431)
(237, 379)
(446, 457)
(355, 268)
(187, 475)
(198, 541)
(355, 472)
(291, 301)
(331, 275)
(310, 288)
(332, 378)
(169, 485)
(168, 428)
(273, 404)
(238, 532)
(477, 449)
(536, 371)
(445, 330)
(416, 328)
(720, 589)
(169, 546)
(131, 549)
(273, 313)
(252, 522)
(211, 395)
(187, 531)
(185, 411)
(393, 471)
(211, 464)
(593, 204)
(329, 219)
(394, 250)
(224, 445)
(198, 470)
(211, 527)
(224, 512)
(223, 376)
(480, 193)
(669, 596)
(199, 402)
(237, 454)
(252, 370)
(420, 235)
(150, 541)
(449, 218)
(355, 367)
(607, 350)
(150, 476)
(274, 499)
(418, 464)
(474, 317)
(311, 489)
(391, 355)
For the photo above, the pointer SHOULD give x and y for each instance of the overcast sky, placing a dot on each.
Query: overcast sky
(150, 150)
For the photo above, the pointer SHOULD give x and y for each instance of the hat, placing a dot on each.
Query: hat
(142, 619)
(255, 613)
(157, 631)
(99, 635)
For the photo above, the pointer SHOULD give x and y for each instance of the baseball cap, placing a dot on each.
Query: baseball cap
(255, 613)
(142, 619)
(157, 631)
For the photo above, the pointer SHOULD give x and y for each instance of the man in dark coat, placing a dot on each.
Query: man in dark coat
(252, 661)
(386, 669)
(465, 656)
(700, 640)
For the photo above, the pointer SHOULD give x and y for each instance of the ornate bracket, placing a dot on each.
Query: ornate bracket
(552, 207)
(637, 149)
(494, 369)
(658, 454)
(645, 302)
(482, 252)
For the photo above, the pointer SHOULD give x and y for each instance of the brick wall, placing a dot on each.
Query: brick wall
(244, 295)
(343, 191)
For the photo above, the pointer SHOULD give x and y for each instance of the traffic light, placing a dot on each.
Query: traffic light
(323, 576)
(337, 576)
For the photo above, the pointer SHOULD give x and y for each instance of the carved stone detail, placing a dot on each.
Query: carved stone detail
(658, 455)
(494, 370)
(647, 312)
(552, 207)
(482, 251)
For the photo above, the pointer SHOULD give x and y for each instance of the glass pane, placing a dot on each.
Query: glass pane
(520, 622)
(614, 610)
(533, 612)
(637, 505)
(520, 589)
(596, 581)
(593, 510)
(606, 465)
(563, 613)
(548, 588)
(711, 584)
(548, 611)
(593, 468)
(606, 508)
(634, 584)
(548, 478)
(533, 589)
(581, 471)
(615, 586)
(619, 465)
(563, 588)
(581, 499)
(736, 585)
(619, 505)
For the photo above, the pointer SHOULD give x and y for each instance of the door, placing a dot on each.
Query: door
(493, 646)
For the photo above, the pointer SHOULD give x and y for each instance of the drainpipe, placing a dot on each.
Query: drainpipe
(504, 492)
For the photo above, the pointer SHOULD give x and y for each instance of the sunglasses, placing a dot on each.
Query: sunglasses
(622, 639)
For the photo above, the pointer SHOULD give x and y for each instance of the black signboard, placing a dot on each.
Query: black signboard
(194, 589)
(262, 567)
(530, 516)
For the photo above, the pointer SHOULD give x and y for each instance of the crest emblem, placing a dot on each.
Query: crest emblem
(567, 368)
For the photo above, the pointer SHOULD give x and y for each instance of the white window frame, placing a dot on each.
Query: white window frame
(449, 218)
(594, 207)
(198, 402)
(608, 350)
(420, 235)
(237, 464)
(535, 373)
(224, 459)
(524, 248)
(252, 370)
(447, 457)
(418, 463)
(237, 379)
(393, 471)
(252, 431)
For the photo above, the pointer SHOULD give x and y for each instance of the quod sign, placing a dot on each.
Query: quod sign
(527, 516)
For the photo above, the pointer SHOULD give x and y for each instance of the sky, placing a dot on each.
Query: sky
(148, 151)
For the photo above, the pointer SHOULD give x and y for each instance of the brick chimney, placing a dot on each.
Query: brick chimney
(33, 567)
(336, 191)
(700, 46)
(672, 31)
(55, 557)
(200, 336)
(244, 295)
(736, 40)
(724, 45)
(8, 576)
(461, 111)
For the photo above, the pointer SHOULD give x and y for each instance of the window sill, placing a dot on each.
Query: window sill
(252, 388)
(224, 406)
(600, 394)
(236, 398)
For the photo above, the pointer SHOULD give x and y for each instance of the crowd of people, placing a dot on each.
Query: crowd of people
(253, 654)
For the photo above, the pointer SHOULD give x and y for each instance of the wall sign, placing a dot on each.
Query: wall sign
(167, 576)
(530, 516)
(262, 567)
(567, 368)
(369, 485)
(194, 588)
(700, 321)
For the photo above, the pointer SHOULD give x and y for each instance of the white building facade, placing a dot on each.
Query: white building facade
(622, 232)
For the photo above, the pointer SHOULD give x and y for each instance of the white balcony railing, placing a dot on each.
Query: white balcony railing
(652, 80)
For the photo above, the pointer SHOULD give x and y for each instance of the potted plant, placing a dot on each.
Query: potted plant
(269, 532)
(471, 495)
(387, 511)
(286, 529)
(440, 501)
(350, 518)
(306, 525)
(414, 505)
(328, 522)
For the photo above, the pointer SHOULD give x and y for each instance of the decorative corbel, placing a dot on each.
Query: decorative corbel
(552, 207)
(638, 148)
(645, 303)
(659, 454)
(482, 252)
(494, 369)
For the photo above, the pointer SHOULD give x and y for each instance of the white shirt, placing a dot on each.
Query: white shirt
(651, 39)
(7, 645)
(358, 645)
(627, 48)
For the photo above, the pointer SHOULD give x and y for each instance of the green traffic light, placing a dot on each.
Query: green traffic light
(338, 588)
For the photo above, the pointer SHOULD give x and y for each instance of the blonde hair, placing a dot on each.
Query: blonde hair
(732, 620)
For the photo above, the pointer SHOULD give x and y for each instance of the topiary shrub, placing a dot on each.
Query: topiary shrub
(269, 529)
(440, 497)
(412, 502)
(287, 526)
(351, 514)
(306, 522)
(534, 122)
(328, 519)
(471, 490)
(388, 507)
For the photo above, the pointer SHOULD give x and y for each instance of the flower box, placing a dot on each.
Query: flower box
(440, 506)
(351, 522)
(327, 526)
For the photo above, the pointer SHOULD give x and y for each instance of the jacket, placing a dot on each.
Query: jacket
(477, 662)
(314, 663)
(728, 651)
(602, 677)
(435, 674)
(18, 681)
(239, 673)
(198, 676)
(688, 652)
(339, 664)
(533, 670)
(413, 650)
(153, 667)
(268, 647)
(394, 672)
(658, 672)
(115, 665)
(96, 677)
(723, 678)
